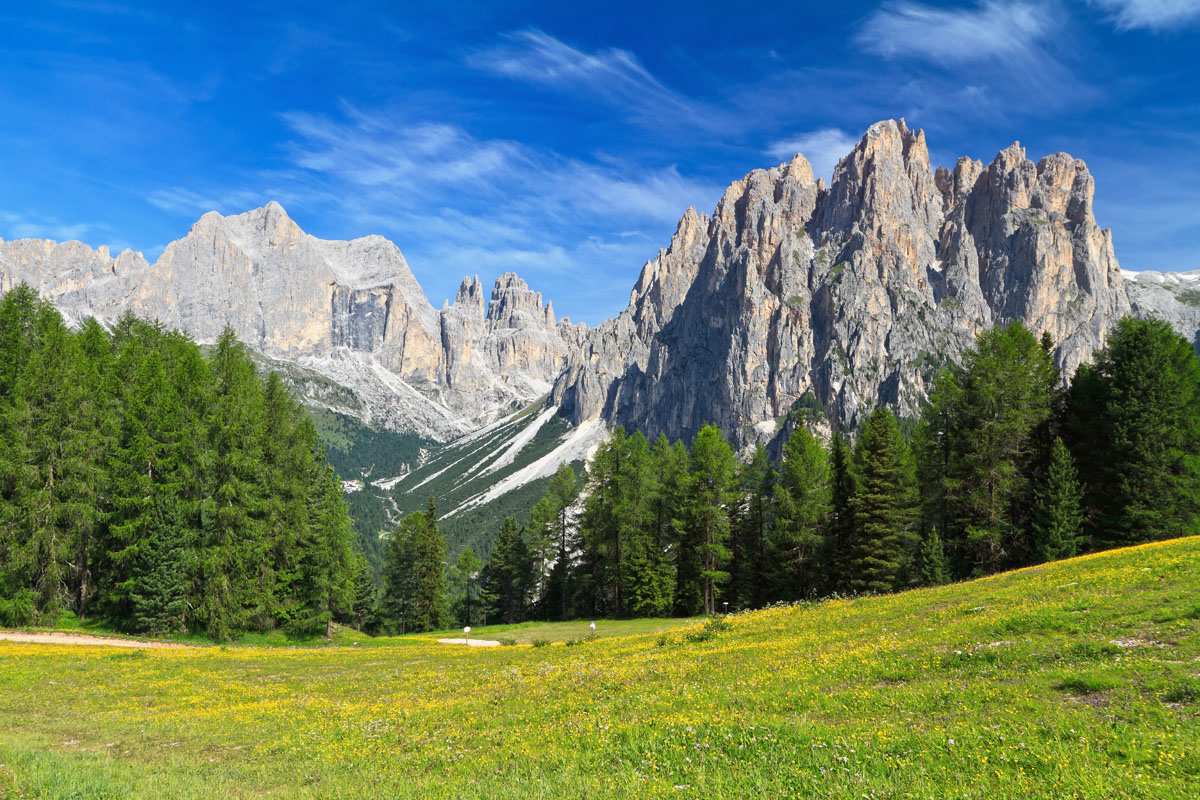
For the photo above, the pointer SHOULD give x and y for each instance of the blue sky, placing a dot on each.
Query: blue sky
(564, 140)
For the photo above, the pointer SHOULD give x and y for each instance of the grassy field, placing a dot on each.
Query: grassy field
(553, 632)
(1074, 680)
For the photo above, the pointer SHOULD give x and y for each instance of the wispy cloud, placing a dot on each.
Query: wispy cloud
(823, 148)
(614, 77)
(1150, 14)
(24, 226)
(955, 36)
(458, 205)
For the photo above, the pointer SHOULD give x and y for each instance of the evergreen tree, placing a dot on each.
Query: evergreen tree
(985, 434)
(710, 491)
(508, 577)
(803, 505)
(935, 569)
(561, 496)
(466, 572)
(1133, 423)
(748, 585)
(1058, 520)
(885, 507)
(842, 490)
(366, 595)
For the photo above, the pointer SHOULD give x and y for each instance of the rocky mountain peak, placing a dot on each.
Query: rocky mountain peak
(853, 295)
(514, 305)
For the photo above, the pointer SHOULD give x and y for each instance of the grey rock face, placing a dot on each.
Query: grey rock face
(855, 293)
(351, 311)
(791, 293)
(1172, 296)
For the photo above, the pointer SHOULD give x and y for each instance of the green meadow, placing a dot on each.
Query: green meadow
(1076, 679)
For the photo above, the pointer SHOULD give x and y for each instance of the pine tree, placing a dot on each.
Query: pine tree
(561, 494)
(885, 507)
(842, 490)
(803, 504)
(752, 524)
(1135, 422)
(710, 492)
(466, 574)
(366, 595)
(1058, 520)
(233, 541)
(985, 432)
(508, 576)
(935, 569)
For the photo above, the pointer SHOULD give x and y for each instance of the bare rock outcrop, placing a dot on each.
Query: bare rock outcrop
(352, 311)
(792, 297)
(843, 297)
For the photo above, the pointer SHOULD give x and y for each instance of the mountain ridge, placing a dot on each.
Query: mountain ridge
(791, 293)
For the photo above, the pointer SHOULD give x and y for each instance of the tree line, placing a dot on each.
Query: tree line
(160, 487)
(1006, 467)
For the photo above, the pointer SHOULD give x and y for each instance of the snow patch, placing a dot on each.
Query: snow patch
(577, 445)
(387, 484)
(350, 487)
(519, 441)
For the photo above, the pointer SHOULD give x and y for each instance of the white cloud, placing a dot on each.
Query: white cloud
(614, 77)
(20, 226)
(1150, 14)
(823, 148)
(1007, 31)
(460, 205)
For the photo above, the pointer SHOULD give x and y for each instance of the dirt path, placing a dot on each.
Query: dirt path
(471, 642)
(84, 639)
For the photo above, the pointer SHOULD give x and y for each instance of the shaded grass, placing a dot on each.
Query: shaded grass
(928, 694)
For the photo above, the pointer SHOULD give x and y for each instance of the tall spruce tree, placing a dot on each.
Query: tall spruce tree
(803, 503)
(1058, 517)
(842, 490)
(885, 507)
(709, 494)
(985, 435)
(1134, 424)
(751, 526)
(508, 577)
(561, 495)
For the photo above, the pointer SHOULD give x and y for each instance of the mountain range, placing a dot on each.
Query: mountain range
(794, 301)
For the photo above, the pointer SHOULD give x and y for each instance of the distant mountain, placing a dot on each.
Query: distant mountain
(349, 311)
(793, 303)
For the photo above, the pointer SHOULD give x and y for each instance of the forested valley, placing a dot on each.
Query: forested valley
(166, 488)
(1005, 468)
(160, 487)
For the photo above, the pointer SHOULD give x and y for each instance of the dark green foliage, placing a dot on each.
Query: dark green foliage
(935, 569)
(465, 574)
(840, 523)
(560, 497)
(508, 578)
(159, 488)
(710, 492)
(802, 508)
(982, 438)
(752, 524)
(1058, 518)
(364, 611)
(1133, 423)
(885, 507)
(414, 590)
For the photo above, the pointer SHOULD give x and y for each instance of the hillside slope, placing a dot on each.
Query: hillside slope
(1077, 679)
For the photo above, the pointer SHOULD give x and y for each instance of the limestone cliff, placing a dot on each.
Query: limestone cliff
(793, 296)
(849, 294)
(352, 311)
